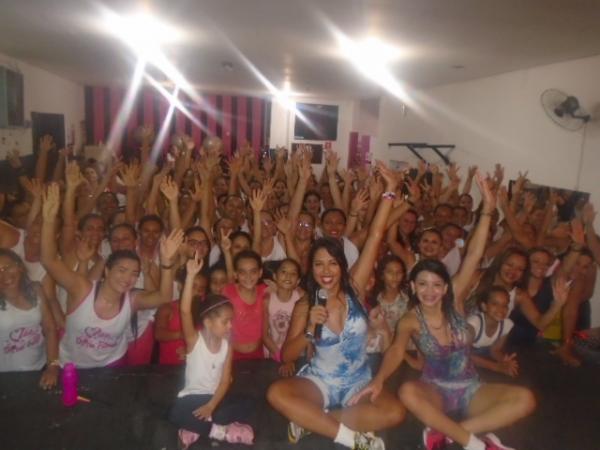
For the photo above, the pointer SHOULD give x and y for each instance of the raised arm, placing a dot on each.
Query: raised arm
(257, 202)
(168, 250)
(76, 285)
(41, 165)
(332, 162)
(361, 271)
(460, 281)
(592, 239)
(73, 180)
(298, 197)
(170, 190)
(190, 334)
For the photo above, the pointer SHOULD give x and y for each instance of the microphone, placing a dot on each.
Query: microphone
(320, 300)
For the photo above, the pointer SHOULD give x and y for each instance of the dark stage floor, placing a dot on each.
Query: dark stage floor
(129, 407)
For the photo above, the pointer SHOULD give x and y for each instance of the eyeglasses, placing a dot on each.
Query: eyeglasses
(305, 225)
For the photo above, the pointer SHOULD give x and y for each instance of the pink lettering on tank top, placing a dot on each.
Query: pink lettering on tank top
(22, 338)
(95, 338)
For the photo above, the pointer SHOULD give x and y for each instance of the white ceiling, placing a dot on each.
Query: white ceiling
(487, 37)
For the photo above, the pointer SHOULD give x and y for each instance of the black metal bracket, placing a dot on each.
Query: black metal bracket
(414, 147)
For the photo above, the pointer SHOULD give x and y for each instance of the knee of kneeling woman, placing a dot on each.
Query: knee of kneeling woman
(397, 413)
(527, 401)
(275, 394)
(407, 393)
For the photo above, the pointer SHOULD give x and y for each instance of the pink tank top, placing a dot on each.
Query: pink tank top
(280, 315)
(247, 319)
(90, 341)
(168, 353)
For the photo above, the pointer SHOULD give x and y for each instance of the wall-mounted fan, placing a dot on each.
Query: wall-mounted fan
(564, 109)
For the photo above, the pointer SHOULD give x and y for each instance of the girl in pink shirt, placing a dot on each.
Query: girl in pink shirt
(247, 298)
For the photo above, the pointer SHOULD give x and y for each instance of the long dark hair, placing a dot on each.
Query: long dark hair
(379, 284)
(335, 249)
(487, 280)
(26, 286)
(438, 268)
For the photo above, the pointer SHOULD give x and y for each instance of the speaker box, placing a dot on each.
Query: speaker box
(11, 99)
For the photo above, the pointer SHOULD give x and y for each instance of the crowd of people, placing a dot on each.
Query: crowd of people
(201, 260)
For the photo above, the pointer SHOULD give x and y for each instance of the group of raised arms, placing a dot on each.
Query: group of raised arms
(339, 277)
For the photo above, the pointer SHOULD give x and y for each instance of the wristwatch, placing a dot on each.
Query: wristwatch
(308, 335)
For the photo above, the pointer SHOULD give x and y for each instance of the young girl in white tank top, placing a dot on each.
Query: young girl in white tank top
(203, 406)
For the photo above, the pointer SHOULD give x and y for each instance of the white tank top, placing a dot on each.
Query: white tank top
(35, 270)
(90, 341)
(144, 316)
(512, 295)
(22, 345)
(203, 369)
(277, 253)
(61, 292)
(280, 315)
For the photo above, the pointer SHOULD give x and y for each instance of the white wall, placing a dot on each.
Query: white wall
(44, 92)
(500, 119)
(282, 126)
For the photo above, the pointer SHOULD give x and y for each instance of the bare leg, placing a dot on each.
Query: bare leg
(497, 405)
(385, 412)
(570, 314)
(424, 402)
(300, 401)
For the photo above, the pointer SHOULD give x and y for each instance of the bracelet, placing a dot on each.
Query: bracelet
(486, 214)
(167, 267)
(353, 215)
(53, 363)
(390, 195)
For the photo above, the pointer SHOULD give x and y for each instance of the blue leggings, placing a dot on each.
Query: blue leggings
(233, 408)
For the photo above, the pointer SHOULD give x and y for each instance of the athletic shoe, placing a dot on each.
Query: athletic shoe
(239, 433)
(433, 439)
(368, 441)
(296, 432)
(493, 443)
(187, 438)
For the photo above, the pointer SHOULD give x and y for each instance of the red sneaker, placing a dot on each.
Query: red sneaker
(493, 443)
(433, 439)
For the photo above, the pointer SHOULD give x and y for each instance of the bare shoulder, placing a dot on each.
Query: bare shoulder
(409, 322)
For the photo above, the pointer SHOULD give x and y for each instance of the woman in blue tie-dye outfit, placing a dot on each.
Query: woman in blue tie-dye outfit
(316, 400)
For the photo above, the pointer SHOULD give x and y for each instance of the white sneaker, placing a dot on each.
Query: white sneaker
(368, 441)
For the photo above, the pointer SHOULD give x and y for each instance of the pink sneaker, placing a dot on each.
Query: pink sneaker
(239, 433)
(493, 443)
(433, 439)
(187, 438)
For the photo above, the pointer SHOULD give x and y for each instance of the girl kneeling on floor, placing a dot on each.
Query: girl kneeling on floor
(203, 407)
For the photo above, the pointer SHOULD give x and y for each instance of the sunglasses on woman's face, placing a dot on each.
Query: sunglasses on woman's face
(10, 268)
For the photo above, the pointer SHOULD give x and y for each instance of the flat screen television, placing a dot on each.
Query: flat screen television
(316, 122)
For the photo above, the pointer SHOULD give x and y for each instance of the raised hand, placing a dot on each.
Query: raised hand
(34, 187)
(332, 162)
(267, 164)
(560, 290)
(472, 171)
(73, 176)
(577, 233)
(130, 174)
(489, 198)
(194, 265)
(47, 143)
(284, 225)
(225, 242)
(361, 199)
(169, 189)
(169, 246)
(529, 201)
(588, 214)
(258, 200)
(390, 177)
(51, 202)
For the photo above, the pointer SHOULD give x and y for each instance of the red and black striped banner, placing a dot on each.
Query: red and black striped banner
(233, 118)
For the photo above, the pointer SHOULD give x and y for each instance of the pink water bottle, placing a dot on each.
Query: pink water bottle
(69, 383)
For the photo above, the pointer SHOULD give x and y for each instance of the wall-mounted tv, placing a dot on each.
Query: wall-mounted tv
(315, 122)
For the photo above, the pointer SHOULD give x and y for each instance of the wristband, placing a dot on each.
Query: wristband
(390, 195)
(53, 363)
(308, 335)
(167, 267)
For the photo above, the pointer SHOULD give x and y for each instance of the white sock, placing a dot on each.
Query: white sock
(218, 432)
(345, 436)
(474, 443)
